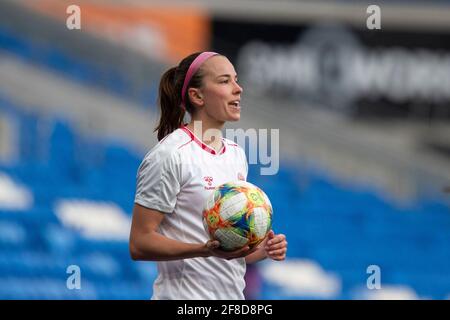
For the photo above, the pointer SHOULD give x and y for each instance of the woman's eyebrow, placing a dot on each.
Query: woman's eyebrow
(226, 75)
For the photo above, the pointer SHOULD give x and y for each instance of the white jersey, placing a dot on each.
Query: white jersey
(175, 178)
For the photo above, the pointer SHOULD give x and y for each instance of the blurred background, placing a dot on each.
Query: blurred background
(362, 192)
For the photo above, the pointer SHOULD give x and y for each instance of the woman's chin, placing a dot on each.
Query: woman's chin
(234, 113)
(234, 117)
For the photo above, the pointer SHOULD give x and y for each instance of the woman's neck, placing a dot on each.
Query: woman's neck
(209, 133)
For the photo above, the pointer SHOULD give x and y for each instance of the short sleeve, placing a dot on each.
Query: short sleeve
(245, 163)
(158, 182)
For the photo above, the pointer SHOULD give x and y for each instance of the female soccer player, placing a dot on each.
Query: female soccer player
(178, 174)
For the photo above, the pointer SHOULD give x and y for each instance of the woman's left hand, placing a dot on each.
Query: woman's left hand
(275, 246)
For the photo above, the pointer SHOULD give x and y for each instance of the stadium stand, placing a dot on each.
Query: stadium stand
(67, 189)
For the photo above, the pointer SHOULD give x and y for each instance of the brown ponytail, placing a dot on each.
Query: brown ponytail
(172, 113)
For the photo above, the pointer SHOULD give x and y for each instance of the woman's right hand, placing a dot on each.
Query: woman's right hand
(214, 245)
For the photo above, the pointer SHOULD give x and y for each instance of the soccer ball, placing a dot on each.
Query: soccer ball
(237, 214)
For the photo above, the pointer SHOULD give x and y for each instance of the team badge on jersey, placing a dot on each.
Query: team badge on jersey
(241, 176)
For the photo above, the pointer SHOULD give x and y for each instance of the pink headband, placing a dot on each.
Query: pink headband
(195, 65)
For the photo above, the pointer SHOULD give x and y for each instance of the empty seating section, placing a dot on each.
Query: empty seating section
(344, 230)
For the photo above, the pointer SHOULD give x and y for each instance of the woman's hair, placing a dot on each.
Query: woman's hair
(170, 86)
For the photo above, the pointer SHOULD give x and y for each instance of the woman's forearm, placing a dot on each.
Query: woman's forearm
(153, 246)
(258, 255)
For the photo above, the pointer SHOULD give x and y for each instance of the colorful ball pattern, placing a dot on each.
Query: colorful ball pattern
(237, 214)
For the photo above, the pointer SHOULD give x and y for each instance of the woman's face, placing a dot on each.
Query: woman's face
(220, 91)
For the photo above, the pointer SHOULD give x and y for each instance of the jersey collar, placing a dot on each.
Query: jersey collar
(201, 144)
